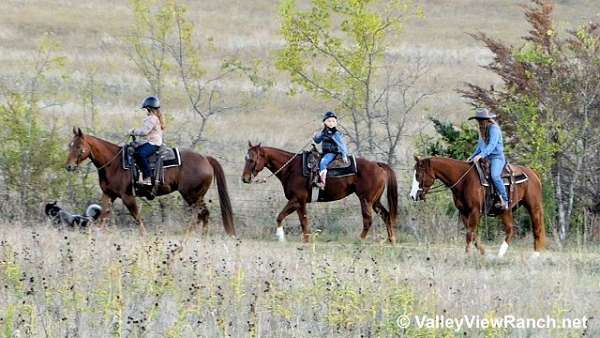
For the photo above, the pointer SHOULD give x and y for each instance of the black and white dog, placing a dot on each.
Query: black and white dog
(60, 216)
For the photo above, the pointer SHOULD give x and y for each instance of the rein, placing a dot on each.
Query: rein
(441, 187)
(111, 160)
(107, 163)
(264, 180)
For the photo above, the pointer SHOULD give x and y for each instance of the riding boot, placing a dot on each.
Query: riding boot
(502, 204)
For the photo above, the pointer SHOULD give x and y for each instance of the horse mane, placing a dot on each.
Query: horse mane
(453, 160)
(103, 141)
(279, 150)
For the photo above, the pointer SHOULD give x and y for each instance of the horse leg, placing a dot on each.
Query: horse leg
(539, 233)
(472, 221)
(367, 213)
(203, 216)
(290, 207)
(302, 215)
(106, 202)
(507, 220)
(385, 215)
(132, 206)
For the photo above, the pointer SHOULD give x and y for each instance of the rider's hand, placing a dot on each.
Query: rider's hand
(130, 132)
(476, 158)
(345, 160)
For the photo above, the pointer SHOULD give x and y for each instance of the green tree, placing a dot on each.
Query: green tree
(337, 50)
(549, 104)
(451, 141)
(147, 43)
(31, 153)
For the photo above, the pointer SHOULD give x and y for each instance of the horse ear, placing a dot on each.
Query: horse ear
(74, 130)
(250, 144)
(79, 132)
(417, 158)
(259, 143)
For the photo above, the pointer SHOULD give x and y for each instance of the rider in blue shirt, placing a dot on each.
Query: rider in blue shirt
(491, 147)
(332, 144)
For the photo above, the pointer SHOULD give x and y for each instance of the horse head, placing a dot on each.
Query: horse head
(422, 180)
(255, 162)
(79, 150)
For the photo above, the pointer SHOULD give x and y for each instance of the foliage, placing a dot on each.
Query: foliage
(336, 50)
(31, 154)
(451, 141)
(549, 104)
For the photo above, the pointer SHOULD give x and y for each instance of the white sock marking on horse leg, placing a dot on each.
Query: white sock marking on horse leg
(415, 187)
(535, 254)
(503, 249)
(280, 234)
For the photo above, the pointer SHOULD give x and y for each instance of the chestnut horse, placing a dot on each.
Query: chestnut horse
(368, 184)
(192, 179)
(468, 193)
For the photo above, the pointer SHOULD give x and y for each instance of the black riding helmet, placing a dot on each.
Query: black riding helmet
(151, 102)
(328, 115)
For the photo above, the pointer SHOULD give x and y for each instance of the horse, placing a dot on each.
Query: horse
(469, 195)
(368, 184)
(192, 180)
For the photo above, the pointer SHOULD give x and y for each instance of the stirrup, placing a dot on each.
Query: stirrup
(502, 204)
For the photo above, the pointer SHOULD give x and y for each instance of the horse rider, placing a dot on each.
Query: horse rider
(152, 130)
(332, 144)
(490, 146)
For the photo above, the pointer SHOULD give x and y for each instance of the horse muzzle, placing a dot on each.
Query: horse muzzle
(247, 179)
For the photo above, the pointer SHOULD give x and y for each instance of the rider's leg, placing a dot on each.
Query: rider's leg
(144, 151)
(327, 158)
(496, 166)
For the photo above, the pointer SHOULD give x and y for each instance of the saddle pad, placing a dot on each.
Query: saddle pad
(309, 162)
(518, 175)
(170, 158)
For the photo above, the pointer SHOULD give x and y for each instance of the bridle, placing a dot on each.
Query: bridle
(442, 186)
(93, 157)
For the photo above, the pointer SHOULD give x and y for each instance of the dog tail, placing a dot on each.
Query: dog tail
(93, 211)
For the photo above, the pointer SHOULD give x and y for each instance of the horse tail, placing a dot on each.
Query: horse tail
(224, 201)
(392, 191)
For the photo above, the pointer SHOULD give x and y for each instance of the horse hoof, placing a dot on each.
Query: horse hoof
(502, 250)
(280, 234)
(535, 254)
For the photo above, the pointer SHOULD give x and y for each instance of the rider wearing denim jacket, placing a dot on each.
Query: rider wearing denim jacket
(332, 144)
(490, 146)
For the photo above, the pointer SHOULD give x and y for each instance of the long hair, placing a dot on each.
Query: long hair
(161, 118)
(483, 129)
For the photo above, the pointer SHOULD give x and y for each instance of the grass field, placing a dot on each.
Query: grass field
(61, 283)
(100, 284)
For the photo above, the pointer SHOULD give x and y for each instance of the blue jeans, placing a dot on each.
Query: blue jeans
(142, 153)
(496, 166)
(325, 160)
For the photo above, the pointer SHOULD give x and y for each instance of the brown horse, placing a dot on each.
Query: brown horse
(368, 184)
(192, 179)
(468, 193)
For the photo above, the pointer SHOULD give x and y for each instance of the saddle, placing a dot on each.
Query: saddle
(511, 175)
(164, 157)
(337, 168)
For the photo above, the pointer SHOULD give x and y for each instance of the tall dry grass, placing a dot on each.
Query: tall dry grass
(101, 284)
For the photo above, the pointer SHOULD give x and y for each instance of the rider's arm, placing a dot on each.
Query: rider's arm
(318, 137)
(149, 124)
(476, 152)
(494, 133)
(339, 139)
